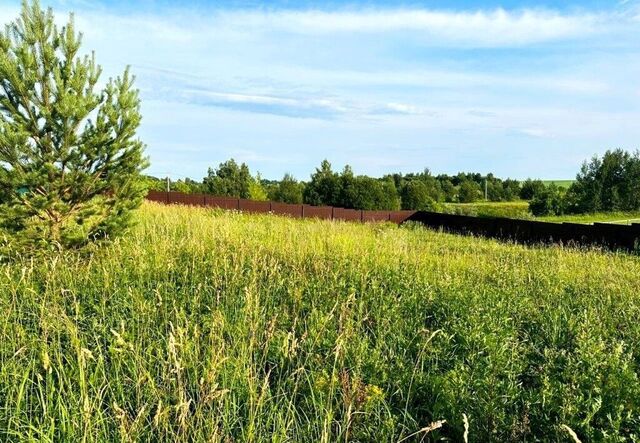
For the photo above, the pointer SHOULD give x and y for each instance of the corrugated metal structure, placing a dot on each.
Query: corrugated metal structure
(285, 209)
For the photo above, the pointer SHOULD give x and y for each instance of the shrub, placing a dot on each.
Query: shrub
(531, 188)
(469, 192)
(288, 190)
(551, 201)
(229, 179)
(416, 196)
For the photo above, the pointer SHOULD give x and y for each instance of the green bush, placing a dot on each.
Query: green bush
(550, 201)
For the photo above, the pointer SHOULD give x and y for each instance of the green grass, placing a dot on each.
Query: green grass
(559, 183)
(608, 217)
(515, 209)
(520, 209)
(213, 326)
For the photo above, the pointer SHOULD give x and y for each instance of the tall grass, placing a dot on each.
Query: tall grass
(213, 326)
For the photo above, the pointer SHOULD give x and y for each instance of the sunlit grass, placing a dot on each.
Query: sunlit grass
(515, 209)
(559, 183)
(218, 326)
(520, 210)
(608, 217)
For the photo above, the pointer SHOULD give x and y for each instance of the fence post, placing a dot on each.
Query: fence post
(332, 215)
(238, 204)
(302, 210)
(361, 215)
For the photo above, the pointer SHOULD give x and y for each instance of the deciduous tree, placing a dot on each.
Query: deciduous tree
(229, 179)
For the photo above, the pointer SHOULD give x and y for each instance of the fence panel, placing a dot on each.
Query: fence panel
(256, 207)
(541, 232)
(399, 217)
(229, 203)
(321, 212)
(375, 216)
(635, 232)
(186, 199)
(158, 196)
(506, 229)
(347, 214)
(286, 209)
(199, 199)
(577, 233)
(611, 234)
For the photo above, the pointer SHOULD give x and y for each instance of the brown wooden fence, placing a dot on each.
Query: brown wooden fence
(524, 231)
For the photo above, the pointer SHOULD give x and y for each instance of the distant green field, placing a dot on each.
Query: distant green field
(559, 183)
(515, 209)
(610, 217)
(520, 209)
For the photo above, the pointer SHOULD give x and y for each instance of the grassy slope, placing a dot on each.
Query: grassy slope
(559, 183)
(515, 209)
(617, 217)
(520, 209)
(223, 327)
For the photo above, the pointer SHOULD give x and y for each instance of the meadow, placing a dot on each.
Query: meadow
(618, 217)
(514, 209)
(559, 183)
(203, 325)
(520, 210)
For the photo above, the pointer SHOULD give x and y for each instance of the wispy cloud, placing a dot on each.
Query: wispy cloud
(480, 28)
(292, 107)
(320, 107)
(484, 28)
(534, 132)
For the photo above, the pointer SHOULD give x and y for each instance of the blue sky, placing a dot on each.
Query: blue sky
(517, 88)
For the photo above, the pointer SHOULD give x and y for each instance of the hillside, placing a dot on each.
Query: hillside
(216, 326)
(559, 183)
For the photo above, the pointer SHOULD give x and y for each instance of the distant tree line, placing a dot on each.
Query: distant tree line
(420, 191)
(610, 183)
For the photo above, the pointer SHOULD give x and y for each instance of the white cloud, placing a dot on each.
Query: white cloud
(439, 78)
(403, 108)
(305, 107)
(482, 28)
(535, 132)
(245, 98)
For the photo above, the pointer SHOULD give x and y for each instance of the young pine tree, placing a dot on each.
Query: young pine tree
(70, 161)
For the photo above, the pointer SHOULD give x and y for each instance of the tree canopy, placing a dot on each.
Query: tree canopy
(288, 190)
(346, 189)
(610, 183)
(228, 179)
